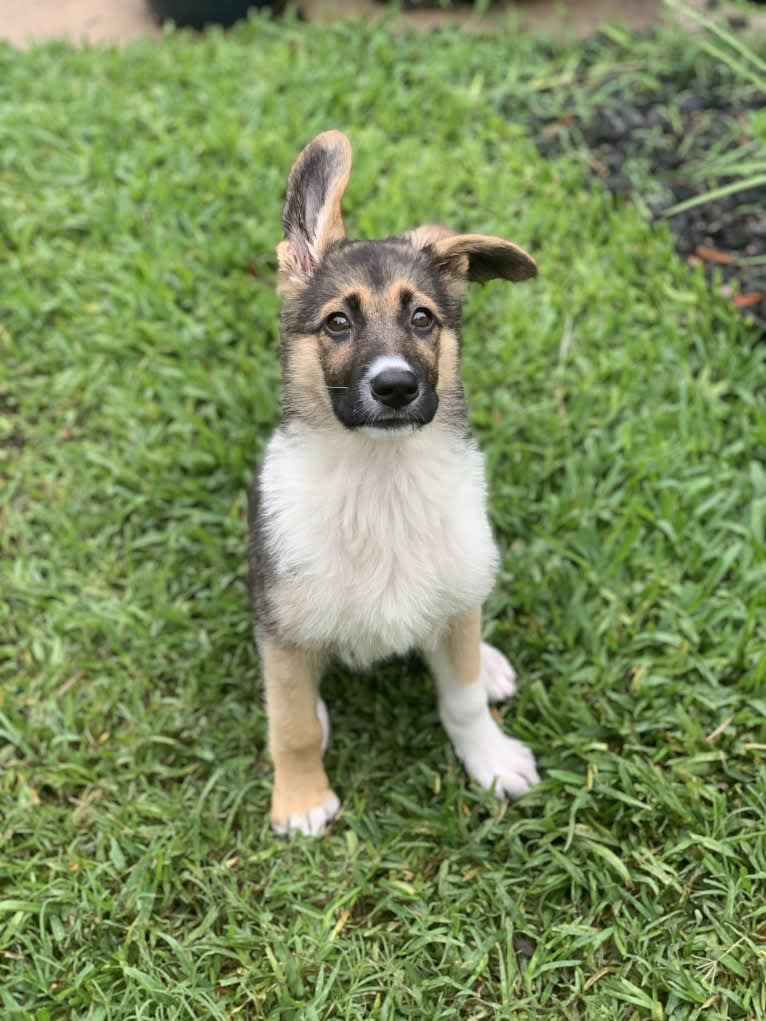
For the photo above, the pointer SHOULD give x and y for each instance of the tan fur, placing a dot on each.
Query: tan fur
(463, 646)
(305, 382)
(449, 362)
(427, 234)
(289, 279)
(346, 289)
(330, 226)
(337, 357)
(291, 679)
(392, 298)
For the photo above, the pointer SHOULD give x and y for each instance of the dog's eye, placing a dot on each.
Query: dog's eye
(337, 324)
(422, 319)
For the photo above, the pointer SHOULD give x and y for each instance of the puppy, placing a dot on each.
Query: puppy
(369, 534)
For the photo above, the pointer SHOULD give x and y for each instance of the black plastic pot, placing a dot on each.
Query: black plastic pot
(198, 13)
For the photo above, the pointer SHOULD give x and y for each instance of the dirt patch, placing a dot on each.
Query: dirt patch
(119, 21)
(656, 148)
(580, 17)
(80, 21)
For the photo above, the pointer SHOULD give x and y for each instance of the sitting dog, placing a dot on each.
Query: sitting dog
(368, 524)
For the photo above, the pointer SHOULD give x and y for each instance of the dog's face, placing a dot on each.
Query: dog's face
(372, 336)
(371, 328)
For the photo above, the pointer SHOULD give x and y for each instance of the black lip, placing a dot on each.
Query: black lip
(392, 423)
(417, 417)
(353, 410)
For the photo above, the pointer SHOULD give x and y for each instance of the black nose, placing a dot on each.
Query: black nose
(394, 387)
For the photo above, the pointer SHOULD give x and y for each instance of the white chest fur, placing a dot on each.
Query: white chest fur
(376, 543)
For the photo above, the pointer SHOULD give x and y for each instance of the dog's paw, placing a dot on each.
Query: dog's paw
(504, 762)
(324, 722)
(307, 819)
(497, 675)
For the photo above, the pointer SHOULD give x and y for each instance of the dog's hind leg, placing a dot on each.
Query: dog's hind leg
(298, 729)
(497, 675)
(324, 722)
(489, 756)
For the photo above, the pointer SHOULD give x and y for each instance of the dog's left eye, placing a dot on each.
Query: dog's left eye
(422, 319)
(337, 324)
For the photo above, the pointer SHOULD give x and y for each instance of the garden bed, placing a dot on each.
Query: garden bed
(675, 144)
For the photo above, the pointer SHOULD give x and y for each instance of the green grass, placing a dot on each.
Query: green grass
(621, 408)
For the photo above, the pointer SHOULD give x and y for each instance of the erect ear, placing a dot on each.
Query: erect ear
(311, 217)
(478, 257)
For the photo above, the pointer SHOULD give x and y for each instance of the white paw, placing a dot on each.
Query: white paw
(310, 823)
(501, 760)
(497, 675)
(324, 722)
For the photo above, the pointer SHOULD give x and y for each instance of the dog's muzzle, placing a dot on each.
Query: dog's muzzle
(391, 395)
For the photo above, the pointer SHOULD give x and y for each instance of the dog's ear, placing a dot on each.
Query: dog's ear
(478, 257)
(311, 218)
(489, 258)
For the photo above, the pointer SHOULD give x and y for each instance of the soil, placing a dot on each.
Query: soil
(652, 147)
(119, 21)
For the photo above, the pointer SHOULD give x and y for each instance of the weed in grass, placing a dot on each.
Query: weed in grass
(621, 411)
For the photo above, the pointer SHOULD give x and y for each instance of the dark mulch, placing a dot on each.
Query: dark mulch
(653, 146)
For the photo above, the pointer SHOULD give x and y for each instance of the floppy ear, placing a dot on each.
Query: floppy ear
(478, 257)
(311, 217)
(489, 258)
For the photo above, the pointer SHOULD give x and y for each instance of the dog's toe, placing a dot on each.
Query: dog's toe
(505, 763)
(311, 822)
(497, 674)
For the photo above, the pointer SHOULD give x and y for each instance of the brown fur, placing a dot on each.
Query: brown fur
(295, 735)
(426, 236)
(463, 644)
(304, 382)
(448, 366)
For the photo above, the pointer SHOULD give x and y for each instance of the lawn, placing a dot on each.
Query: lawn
(620, 404)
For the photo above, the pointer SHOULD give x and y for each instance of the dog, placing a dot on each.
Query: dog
(368, 524)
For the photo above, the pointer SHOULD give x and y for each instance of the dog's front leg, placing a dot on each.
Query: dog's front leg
(459, 663)
(302, 798)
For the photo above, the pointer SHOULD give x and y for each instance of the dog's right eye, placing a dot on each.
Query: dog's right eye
(337, 324)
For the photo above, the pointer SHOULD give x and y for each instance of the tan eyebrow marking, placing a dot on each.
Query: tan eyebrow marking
(354, 300)
(404, 294)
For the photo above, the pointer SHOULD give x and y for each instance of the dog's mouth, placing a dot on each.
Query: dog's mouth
(360, 412)
(407, 420)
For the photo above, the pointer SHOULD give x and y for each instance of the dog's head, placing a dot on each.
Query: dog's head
(371, 328)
